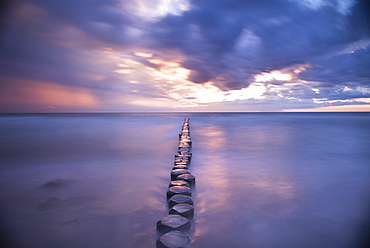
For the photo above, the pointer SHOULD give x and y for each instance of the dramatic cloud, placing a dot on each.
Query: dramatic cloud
(226, 55)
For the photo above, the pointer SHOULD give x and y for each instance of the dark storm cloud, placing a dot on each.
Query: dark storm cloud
(342, 93)
(341, 69)
(359, 19)
(98, 18)
(200, 72)
(287, 33)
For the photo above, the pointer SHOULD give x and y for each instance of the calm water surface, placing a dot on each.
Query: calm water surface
(263, 180)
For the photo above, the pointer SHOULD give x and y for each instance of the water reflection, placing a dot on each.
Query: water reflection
(279, 187)
(213, 137)
(212, 195)
(263, 180)
(237, 194)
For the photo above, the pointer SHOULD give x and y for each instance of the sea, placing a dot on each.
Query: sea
(263, 180)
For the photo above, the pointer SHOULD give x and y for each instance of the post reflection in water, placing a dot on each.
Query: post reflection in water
(266, 181)
(212, 182)
(228, 194)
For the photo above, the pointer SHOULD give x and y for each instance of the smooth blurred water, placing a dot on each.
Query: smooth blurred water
(263, 179)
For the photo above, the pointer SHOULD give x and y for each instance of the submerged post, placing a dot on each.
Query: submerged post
(174, 226)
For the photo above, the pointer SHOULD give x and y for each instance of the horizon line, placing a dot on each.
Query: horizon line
(131, 112)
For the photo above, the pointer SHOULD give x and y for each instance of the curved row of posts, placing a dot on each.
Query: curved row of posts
(176, 224)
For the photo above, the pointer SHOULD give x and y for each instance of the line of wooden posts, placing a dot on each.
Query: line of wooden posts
(174, 227)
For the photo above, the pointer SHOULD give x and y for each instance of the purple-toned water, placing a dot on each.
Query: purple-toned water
(263, 180)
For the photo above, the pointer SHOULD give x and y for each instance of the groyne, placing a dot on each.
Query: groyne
(174, 227)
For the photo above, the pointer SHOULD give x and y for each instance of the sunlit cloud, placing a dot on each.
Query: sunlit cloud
(164, 82)
(171, 82)
(273, 75)
(208, 93)
(124, 71)
(151, 10)
(197, 93)
(253, 91)
(170, 71)
(144, 55)
(299, 68)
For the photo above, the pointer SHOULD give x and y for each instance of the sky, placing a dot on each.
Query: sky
(184, 55)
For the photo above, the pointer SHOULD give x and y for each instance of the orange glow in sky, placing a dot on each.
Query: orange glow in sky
(48, 94)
